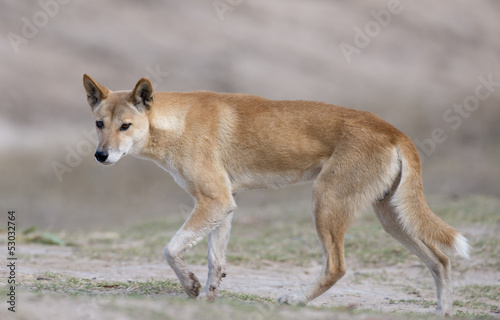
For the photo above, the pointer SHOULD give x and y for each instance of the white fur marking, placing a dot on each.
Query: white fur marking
(462, 246)
(172, 122)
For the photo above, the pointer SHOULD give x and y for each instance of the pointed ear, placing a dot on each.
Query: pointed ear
(142, 95)
(95, 92)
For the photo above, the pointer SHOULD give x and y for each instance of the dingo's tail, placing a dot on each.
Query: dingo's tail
(414, 213)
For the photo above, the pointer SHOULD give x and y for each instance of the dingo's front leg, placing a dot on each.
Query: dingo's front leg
(207, 215)
(217, 245)
(174, 254)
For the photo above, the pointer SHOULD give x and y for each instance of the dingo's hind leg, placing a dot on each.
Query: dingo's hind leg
(434, 259)
(347, 183)
(331, 219)
(333, 209)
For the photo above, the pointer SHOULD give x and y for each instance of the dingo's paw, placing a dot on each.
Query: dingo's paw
(209, 294)
(192, 286)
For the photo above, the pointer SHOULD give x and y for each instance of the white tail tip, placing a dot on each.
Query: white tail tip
(462, 247)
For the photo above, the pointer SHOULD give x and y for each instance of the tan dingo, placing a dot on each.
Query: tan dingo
(217, 144)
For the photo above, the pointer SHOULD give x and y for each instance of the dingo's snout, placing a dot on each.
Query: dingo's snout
(101, 156)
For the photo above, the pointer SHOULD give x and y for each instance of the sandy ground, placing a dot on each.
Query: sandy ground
(382, 290)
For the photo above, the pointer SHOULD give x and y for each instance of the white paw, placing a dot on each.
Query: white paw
(191, 285)
(208, 295)
(294, 299)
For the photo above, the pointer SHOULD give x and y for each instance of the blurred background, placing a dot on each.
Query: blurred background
(431, 68)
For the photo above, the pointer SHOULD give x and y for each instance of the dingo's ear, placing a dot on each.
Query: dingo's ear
(142, 95)
(95, 92)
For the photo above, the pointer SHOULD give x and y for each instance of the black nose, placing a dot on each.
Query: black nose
(101, 156)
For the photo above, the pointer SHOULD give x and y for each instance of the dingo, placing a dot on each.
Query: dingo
(218, 144)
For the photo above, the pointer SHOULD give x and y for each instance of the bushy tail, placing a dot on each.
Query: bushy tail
(414, 213)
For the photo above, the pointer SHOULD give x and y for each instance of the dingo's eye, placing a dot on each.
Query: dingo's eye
(125, 126)
(99, 124)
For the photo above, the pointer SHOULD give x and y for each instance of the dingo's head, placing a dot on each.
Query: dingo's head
(121, 118)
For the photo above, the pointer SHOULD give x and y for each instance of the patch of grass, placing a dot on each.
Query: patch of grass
(245, 297)
(158, 227)
(463, 211)
(156, 287)
(420, 302)
(134, 297)
(371, 246)
(378, 277)
(72, 286)
(46, 238)
(286, 234)
(276, 242)
(475, 300)
(472, 315)
(60, 283)
(477, 291)
(475, 305)
(32, 235)
(487, 246)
